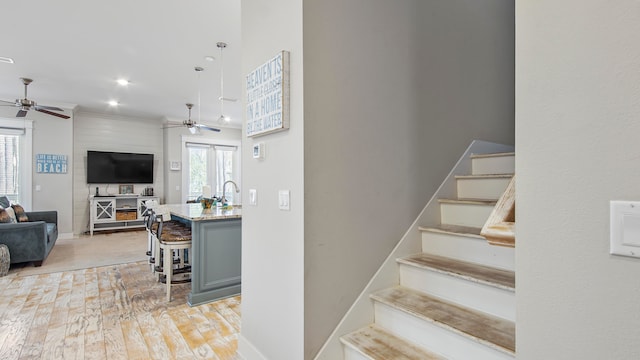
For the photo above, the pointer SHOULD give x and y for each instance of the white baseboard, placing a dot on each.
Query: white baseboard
(66, 236)
(247, 351)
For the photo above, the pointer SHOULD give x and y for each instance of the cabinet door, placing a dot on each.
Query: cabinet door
(142, 207)
(105, 210)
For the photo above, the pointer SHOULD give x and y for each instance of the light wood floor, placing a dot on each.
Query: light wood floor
(111, 312)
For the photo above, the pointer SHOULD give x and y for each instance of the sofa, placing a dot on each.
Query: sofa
(31, 241)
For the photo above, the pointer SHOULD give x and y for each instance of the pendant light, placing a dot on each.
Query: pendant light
(222, 119)
(194, 129)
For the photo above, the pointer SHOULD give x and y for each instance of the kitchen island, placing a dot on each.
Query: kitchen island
(216, 247)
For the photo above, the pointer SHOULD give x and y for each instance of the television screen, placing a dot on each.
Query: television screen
(104, 167)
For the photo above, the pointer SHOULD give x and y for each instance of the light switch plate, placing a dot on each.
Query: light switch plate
(283, 200)
(625, 228)
(253, 197)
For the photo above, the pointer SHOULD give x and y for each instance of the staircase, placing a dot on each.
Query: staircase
(455, 299)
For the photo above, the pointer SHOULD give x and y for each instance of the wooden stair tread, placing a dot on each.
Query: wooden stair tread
(480, 156)
(499, 278)
(378, 344)
(453, 229)
(486, 329)
(468, 201)
(485, 176)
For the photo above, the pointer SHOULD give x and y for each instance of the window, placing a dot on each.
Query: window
(199, 168)
(210, 164)
(224, 172)
(16, 160)
(9, 161)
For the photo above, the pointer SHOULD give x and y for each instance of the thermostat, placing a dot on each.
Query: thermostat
(258, 151)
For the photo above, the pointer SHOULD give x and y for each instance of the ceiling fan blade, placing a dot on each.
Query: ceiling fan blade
(8, 103)
(171, 126)
(38, 107)
(205, 127)
(21, 113)
(52, 113)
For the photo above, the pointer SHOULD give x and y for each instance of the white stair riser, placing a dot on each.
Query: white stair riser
(469, 249)
(464, 214)
(482, 297)
(351, 354)
(493, 165)
(485, 189)
(433, 337)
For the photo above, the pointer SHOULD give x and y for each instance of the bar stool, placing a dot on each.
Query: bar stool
(150, 205)
(161, 216)
(148, 224)
(169, 239)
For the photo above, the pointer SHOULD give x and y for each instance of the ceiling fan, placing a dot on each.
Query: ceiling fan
(26, 104)
(192, 125)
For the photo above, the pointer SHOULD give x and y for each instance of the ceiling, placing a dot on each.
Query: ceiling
(75, 50)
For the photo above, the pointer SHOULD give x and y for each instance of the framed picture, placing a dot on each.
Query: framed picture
(126, 189)
(267, 89)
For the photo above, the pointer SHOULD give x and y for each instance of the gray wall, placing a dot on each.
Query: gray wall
(387, 112)
(52, 135)
(578, 111)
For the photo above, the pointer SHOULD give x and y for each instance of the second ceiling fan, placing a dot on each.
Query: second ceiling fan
(191, 124)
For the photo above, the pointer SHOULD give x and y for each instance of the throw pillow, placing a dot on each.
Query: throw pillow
(4, 216)
(5, 202)
(20, 215)
(12, 214)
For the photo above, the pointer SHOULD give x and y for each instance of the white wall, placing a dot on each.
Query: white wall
(273, 240)
(388, 111)
(52, 135)
(112, 133)
(577, 126)
(173, 152)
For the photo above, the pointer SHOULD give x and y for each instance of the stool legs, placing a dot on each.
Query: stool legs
(168, 270)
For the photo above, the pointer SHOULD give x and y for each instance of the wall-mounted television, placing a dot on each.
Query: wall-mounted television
(106, 167)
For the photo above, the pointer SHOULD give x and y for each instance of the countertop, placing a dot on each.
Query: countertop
(195, 212)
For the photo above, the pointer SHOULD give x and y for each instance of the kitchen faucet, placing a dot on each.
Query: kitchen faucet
(223, 200)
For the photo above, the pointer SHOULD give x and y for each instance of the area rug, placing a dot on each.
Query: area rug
(85, 252)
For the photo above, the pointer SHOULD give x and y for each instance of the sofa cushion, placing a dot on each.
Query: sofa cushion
(12, 214)
(20, 215)
(4, 216)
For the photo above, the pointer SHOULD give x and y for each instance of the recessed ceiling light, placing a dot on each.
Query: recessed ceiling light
(113, 103)
(209, 58)
(7, 60)
(123, 82)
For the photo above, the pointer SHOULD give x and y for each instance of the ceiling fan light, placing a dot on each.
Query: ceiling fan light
(193, 129)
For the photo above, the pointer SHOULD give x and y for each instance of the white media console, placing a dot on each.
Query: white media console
(117, 211)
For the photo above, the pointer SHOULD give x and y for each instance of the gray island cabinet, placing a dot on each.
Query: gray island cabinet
(216, 250)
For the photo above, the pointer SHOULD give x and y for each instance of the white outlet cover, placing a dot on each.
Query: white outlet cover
(625, 228)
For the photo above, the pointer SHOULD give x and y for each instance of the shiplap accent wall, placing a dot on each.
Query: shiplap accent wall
(112, 133)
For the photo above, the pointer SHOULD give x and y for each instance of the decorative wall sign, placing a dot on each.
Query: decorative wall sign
(51, 164)
(268, 96)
